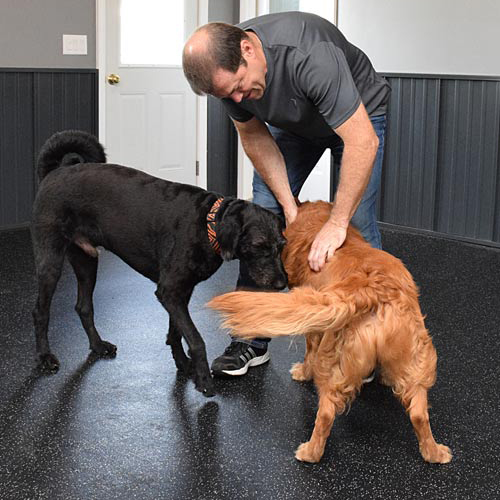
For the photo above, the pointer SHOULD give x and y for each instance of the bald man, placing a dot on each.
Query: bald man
(294, 86)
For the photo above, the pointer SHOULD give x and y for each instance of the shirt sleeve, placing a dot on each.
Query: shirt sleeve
(236, 112)
(325, 78)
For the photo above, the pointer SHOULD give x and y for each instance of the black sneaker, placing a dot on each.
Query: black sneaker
(238, 357)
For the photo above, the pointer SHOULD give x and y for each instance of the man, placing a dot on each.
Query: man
(294, 86)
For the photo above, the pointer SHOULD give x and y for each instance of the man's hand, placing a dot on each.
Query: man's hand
(331, 236)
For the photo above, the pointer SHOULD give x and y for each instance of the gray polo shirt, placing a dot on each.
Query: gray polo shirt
(315, 78)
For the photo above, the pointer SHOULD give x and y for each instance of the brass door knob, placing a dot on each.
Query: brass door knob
(113, 79)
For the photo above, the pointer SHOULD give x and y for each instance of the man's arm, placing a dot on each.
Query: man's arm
(267, 159)
(360, 149)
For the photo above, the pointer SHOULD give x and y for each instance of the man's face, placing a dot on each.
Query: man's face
(249, 82)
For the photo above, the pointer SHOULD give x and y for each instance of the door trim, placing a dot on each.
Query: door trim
(248, 10)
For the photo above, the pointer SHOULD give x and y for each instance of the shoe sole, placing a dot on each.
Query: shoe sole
(369, 379)
(257, 361)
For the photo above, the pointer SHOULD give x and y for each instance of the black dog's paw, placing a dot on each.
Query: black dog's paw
(205, 384)
(48, 363)
(104, 349)
(184, 366)
(182, 362)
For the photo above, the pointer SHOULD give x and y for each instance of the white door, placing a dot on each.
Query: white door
(151, 111)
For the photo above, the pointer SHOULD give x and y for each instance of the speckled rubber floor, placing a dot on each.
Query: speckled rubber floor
(130, 428)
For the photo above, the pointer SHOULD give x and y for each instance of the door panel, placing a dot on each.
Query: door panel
(151, 111)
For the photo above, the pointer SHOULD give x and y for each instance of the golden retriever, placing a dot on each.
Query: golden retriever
(359, 312)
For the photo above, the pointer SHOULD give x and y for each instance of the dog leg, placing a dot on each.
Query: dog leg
(412, 373)
(301, 372)
(334, 393)
(312, 450)
(337, 380)
(174, 340)
(175, 299)
(419, 416)
(85, 268)
(49, 265)
(304, 371)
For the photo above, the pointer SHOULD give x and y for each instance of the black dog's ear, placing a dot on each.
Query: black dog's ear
(229, 229)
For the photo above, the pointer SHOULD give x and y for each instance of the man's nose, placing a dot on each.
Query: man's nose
(237, 96)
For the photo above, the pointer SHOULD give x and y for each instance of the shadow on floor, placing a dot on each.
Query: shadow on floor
(130, 427)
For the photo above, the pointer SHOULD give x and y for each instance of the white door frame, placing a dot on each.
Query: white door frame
(201, 102)
(249, 9)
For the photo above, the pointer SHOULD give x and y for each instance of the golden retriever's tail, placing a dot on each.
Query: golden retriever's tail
(301, 311)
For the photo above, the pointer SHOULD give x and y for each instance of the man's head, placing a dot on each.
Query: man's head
(225, 61)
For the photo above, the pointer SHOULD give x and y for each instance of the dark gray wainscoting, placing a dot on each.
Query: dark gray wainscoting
(442, 161)
(35, 103)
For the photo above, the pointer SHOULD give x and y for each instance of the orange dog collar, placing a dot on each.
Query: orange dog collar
(212, 233)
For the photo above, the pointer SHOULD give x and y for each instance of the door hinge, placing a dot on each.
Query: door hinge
(197, 167)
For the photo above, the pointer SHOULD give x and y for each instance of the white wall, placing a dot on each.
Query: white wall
(456, 37)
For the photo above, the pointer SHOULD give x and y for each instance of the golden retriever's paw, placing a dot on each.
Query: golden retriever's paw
(298, 374)
(440, 454)
(306, 453)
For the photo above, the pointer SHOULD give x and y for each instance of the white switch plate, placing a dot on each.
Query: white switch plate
(75, 45)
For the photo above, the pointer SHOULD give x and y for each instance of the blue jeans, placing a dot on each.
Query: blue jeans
(301, 156)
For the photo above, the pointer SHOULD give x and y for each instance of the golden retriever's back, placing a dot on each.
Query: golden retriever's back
(356, 261)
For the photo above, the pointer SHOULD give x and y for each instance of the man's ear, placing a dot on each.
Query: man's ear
(247, 48)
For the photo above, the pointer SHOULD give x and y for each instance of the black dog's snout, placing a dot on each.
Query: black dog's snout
(280, 283)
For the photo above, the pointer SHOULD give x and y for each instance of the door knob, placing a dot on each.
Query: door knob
(113, 79)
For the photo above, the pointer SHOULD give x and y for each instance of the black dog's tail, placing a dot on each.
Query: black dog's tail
(69, 147)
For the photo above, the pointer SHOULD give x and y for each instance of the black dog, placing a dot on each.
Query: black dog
(159, 228)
